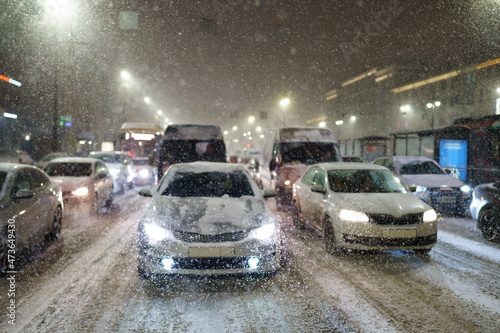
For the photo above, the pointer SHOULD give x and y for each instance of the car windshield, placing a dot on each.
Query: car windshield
(367, 181)
(208, 184)
(69, 169)
(420, 168)
(110, 158)
(308, 153)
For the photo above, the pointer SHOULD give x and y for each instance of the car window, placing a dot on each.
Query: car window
(39, 180)
(22, 181)
(319, 178)
(309, 176)
(208, 184)
(389, 164)
(420, 168)
(100, 168)
(65, 169)
(364, 181)
(379, 161)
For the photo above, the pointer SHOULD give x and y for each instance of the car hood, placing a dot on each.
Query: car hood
(207, 215)
(71, 183)
(396, 204)
(432, 180)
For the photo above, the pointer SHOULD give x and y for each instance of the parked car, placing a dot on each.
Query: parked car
(120, 167)
(431, 183)
(49, 157)
(145, 174)
(31, 210)
(83, 180)
(352, 158)
(15, 156)
(208, 218)
(485, 210)
(362, 206)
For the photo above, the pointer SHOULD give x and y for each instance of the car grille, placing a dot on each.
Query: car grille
(385, 219)
(191, 237)
(210, 263)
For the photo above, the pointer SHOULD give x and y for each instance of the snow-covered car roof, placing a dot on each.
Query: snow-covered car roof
(198, 167)
(350, 166)
(408, 159)
(306, 134)
(74, 160)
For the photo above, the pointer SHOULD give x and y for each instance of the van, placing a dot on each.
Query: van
(288, 152)
(189, 143)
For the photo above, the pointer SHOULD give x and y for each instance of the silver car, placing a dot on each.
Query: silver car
(31, 208)
(485, 210)
(431, 183)
(208, 218)
(362, 206)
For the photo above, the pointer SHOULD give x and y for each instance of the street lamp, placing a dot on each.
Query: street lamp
(251, 119)
(125, 75)
(284, 103)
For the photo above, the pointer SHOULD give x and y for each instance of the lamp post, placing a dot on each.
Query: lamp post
(432, 107)
(284, 103)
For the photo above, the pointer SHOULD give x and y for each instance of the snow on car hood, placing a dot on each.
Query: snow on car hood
(71, 183)
(207, 215)
(396, 204)
(431, 180)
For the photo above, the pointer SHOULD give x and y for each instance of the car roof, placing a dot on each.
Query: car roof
(108, 153)
(75, 160)
(199, 167)
(350, 166)
(407, 159)
(11, 166)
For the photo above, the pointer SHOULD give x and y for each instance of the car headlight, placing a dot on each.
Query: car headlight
(465, 188)
(114, 171)
(82, 191)
(421, 189)
(144, 173)
(353, 216)
(262, 233)
(157, 233)
(430, 216)
(287, 182)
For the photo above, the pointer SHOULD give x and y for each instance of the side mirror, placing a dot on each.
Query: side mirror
(318, 189)
(23, 194)
(146, 192)
(412, 188)
(268, 192)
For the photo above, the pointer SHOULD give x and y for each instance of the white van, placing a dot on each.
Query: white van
(288, 152)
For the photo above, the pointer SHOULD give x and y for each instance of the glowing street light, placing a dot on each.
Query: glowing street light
(251, 119)
(322, 124)
(258, 129)
(226, 132)
(235, 128)
(353, 118)
(147, 100)
(159, 112)
(125, 75)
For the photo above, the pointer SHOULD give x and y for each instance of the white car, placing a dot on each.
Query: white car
(431, 183)
(83, 180)
(49, 157)
(31, 210)
(208, 218)
(362, 206)
(120, 167)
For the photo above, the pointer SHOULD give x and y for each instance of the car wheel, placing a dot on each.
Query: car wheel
(490, 224)
(55, 231)
(4, 255)
(297, 219)
(94, 207)
(422, 251)
(109, 202)
(329, 237)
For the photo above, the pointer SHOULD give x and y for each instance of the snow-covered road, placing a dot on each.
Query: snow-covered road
(87, 281)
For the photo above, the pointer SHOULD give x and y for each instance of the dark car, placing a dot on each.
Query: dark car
(485, 209)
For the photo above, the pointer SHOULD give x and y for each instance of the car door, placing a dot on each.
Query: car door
(45, 200)
(24, 211)
(304, 193)
(104, 181)
(317, 200)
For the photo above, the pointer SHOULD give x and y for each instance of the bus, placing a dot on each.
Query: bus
(139, 139)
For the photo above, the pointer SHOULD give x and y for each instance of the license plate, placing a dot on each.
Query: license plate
(445, 199)
(400, 233)
(210, 252)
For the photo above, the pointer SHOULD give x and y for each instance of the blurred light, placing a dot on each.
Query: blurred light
(143, 136)
(140, 143)
(10, 115)
(9, 80)
(27, 138)
(67, 124)
(253, 262)
(438, 103)
(498, 90)
(339, 122)
(258, 129)
(322, 124)
(244, 134)
(147, 100)
(251, 119)
(235, 140)
(249, 133)
(167, 120)
(430, 216)
(127, 136)
(285, 102)
(90, 142)
(405, 108)
(60, 8)
(125, 75)
(80, 192)
(250, 138)
(159, 112)
(226, 132)
(262, 136)
(235, 128)
(353, 118)
(168, 263)
(170, 123)
(429, 105)
(82, 142)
